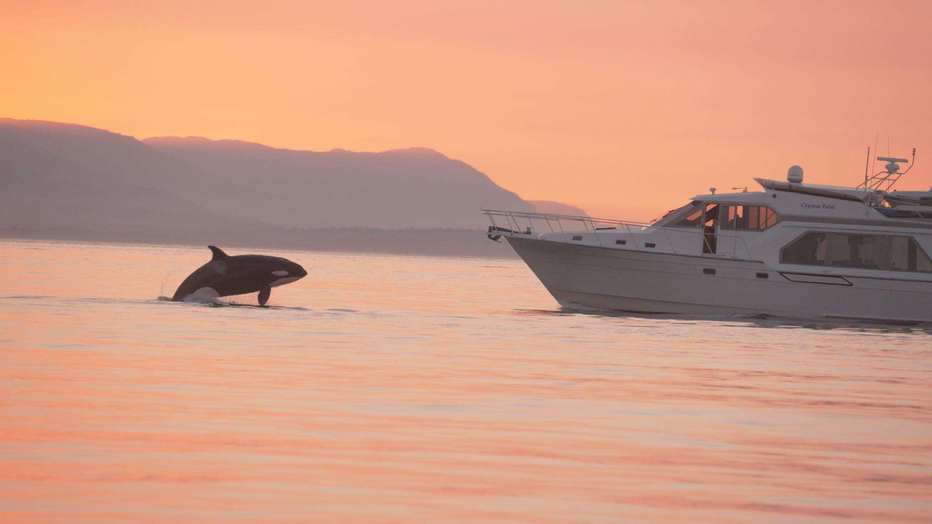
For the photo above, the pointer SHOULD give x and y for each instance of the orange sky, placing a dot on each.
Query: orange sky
(624, 108)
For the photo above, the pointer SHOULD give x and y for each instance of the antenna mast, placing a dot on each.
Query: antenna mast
(867, 165)
(884, 180)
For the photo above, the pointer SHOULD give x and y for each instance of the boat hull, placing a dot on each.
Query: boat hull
(645, 282)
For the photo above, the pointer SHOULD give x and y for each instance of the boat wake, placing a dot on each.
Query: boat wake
(240, 301)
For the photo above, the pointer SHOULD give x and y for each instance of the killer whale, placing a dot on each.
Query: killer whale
(225, 275)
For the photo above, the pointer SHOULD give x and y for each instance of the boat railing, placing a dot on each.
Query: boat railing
(526, 223)
(906, 213)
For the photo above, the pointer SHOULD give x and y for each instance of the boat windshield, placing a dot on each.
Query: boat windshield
(693, 217)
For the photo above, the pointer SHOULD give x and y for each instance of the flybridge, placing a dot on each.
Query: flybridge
(875, 191)
(837, 192)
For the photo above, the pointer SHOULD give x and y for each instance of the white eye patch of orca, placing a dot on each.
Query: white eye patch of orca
(280, 273)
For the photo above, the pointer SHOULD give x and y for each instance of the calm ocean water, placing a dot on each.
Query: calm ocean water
(405, 389)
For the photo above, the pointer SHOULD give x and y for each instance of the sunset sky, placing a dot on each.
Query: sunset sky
(623, 108)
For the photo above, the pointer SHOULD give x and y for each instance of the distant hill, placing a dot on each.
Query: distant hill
(557, 208)
(55, 175)
(70, 181)
(394, 189)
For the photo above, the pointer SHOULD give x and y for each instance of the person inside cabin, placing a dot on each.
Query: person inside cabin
(709, 243)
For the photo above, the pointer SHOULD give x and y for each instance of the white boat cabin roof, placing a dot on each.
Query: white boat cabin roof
(834, 192)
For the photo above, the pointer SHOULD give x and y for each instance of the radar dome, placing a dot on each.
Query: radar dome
(795, 175)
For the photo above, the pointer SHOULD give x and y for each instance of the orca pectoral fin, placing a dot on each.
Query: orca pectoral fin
(264, 295)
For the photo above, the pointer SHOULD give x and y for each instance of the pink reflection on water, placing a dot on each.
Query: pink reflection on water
(394, 389)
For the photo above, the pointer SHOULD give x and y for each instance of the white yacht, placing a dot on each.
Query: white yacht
(791, 249)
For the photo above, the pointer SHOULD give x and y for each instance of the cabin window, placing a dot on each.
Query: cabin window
(860, 251)
(693, 219)
(923, 262)
(748, 218)
(733, 215)
(899, 254)
(810, 249)
(884, 252)
(907, 255)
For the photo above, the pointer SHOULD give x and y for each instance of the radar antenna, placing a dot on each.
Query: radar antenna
(884, 180)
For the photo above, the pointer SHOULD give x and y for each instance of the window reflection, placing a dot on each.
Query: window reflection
(849, 250)
(749, 218)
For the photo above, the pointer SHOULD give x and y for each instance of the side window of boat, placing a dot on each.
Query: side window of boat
(885, 252)
(749, 218)
(761, 217)
(731, 215)
(923, 262)
(691, 220)
(907, 255)
(810, 249)
(860, 251)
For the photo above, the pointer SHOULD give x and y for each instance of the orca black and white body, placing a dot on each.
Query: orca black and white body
(225, 275)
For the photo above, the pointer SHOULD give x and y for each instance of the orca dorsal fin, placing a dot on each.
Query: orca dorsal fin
(218, 253)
